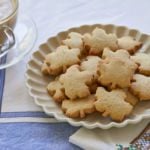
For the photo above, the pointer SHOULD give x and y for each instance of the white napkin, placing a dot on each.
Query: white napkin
(98, 139)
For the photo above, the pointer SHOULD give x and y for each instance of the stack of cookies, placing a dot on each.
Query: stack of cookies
(98, 72)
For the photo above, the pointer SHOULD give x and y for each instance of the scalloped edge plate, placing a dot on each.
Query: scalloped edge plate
(37, 83)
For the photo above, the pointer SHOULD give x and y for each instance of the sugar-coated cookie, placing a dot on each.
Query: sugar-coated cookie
(128, 43)
(141, 86)
(76, 82)
(115, 73)
(79, 108)
(112, 104)
(59, 60)
(143, 60)
(74, 40)
(98, 40)
(56, 90)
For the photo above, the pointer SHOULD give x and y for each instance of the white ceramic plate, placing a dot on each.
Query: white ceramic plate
(37, 83)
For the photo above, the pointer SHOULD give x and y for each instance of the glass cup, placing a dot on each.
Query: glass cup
(17, 33)
(8, 18)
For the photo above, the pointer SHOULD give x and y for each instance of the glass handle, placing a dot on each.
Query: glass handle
(7, 39)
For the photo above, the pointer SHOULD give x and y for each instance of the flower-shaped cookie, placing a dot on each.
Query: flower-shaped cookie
(99, 39)
(74, 40)
(115, 72)
(79, 107)
(132, 99)
(112, 103)
(119, 54)
(59, 60)
(76, 83)
(129, 44)
(91, 64)
(141, 86)
(56, 90)
(143, 60)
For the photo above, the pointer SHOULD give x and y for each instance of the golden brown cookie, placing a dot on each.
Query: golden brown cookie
(98, 40)
(59, 60)
(45, 69)
(128, 43)
(119, 54)
(91, 64)
(141, 86)
(74, 40)
(132, 99)
(143, 60)
(112, 104)
(115, 73)
(56, 90)
(76, 82)
(79, 108)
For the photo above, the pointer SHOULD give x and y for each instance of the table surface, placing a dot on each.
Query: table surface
(51, 17)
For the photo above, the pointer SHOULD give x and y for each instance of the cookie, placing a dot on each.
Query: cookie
(56, 90)
(74, 40)
(115, 73)
(128, 43)
(112, 104)
(91, 64)
(45, 69)
(98, 40)
(119, 54)
(76, 82)
(93, 87)
(59, 60)
(78, 108)
(143, 60)
(132, 99)
(141, 87)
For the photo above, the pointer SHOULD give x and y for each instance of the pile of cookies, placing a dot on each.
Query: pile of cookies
(98, 72)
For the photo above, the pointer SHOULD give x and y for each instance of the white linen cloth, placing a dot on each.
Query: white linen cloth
(51, 17)
(98, 139)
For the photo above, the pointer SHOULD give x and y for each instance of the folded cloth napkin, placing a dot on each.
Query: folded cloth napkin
(114, 138)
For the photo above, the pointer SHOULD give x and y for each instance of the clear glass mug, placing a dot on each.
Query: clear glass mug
(8, 18)
(18, 35)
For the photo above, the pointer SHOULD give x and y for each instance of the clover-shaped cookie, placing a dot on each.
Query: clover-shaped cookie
(143, 60)
(141, 86)
(59, 60)
(119, 54)
(91, 64)
(76, 82)
(79, 107)
(114, 72)
(98, 40)
(112, 103)
(56, 90)
(74, 40)
(129, 44)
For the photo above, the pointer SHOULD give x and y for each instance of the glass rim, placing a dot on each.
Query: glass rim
(12, 14)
